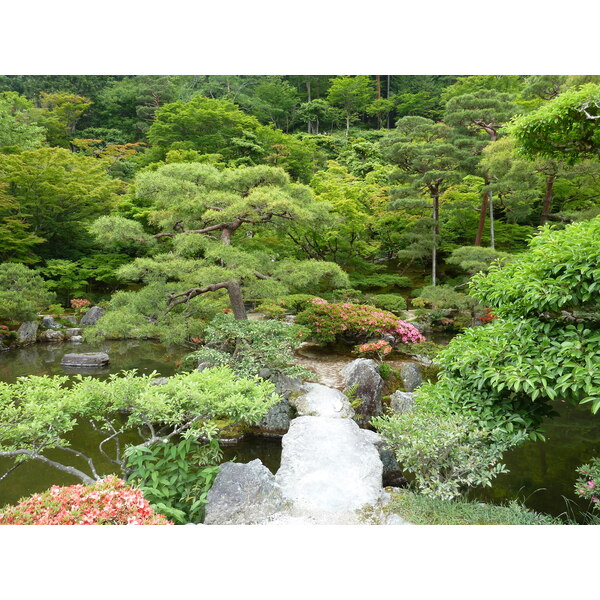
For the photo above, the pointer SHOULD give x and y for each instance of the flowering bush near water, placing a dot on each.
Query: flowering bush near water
(330, 322)
(109, 502)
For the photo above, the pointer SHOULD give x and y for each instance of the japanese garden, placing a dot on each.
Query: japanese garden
(299, 299)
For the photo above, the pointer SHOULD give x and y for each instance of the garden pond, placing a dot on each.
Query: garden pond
(541, 474)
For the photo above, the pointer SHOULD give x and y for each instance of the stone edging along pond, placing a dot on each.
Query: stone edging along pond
(47, 329)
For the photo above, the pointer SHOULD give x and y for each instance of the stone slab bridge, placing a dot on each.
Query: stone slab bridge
(330, 473)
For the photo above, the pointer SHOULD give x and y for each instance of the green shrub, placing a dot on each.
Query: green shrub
(443, 296)
(22, 293)
(474, 259)
(390, 302)
(379, 280)
(137, 315)
(250, 346)
(385, 370)
(295, 303)
(445, 451)
(274, 309)
(175, 477)
(39, 413)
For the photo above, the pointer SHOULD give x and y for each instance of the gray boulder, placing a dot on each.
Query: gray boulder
(87, 359)
(243, 494)
(76, 338)
(277, 421)
(27, 332)
(71, 318)
(411, 376)
(51, 335)
(49, 323)
(364, 372)
(160, 381)
(71, 331)
(402, 402)
(424, 360)
(91, 316)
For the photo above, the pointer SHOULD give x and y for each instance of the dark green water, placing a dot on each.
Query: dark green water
(542, 474)
(146, 357)
(44, 359)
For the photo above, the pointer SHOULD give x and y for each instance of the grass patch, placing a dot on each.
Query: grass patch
(421, 510)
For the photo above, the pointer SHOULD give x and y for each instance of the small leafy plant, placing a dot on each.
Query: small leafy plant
(176, 477)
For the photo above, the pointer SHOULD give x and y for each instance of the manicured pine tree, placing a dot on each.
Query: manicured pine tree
(482, 111)
(206, 219)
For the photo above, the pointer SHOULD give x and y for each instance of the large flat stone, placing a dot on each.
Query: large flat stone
(329, 466)
(88, 359)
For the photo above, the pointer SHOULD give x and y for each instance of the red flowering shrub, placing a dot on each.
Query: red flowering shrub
(379, 349)
(488, 317)
(110, 501)
(332, 322)
(80, 304)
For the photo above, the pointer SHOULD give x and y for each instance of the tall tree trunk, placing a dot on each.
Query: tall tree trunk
(547, 206)
(482, 215)
(236, 301)
(233, 287)
(378, 84)
(309, 100)
(387, 96)
(492, 240)
(436, 231)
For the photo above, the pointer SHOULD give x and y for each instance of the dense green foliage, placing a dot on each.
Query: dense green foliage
(175, 199)
(447, 452)
(175, 477)
(39, 412)
(250, 347)
(22, 293)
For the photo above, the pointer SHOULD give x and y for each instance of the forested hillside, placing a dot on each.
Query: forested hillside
(426, 177)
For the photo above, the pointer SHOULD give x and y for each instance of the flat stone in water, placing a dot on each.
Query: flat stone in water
(88, 359)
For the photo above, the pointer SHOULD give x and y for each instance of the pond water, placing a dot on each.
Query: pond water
(541, 474)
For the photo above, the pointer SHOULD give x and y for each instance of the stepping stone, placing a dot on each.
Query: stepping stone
(88, 359)
(322, 401)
